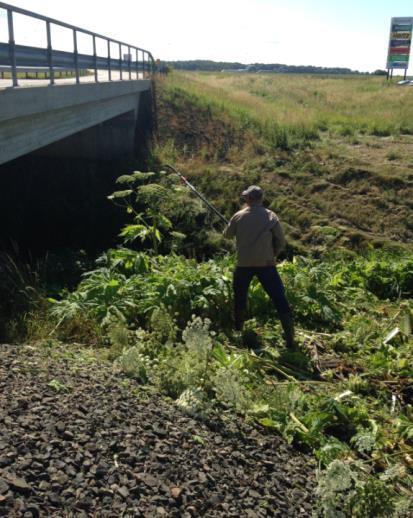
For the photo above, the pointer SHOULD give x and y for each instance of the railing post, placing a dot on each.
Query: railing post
(136, 64)
(12, 47)
(95, 58)
(76, 56)
(50, 53)
(109, 63)
(129, 63)
(120, 61)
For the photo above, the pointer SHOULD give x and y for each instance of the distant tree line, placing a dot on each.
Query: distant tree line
(205, 65)
(218, 66)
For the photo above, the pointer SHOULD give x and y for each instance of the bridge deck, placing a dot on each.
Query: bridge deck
(102, 77)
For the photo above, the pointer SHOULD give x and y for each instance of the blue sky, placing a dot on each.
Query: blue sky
(346, 33)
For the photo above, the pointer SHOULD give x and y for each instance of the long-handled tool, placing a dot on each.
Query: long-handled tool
(200, 196)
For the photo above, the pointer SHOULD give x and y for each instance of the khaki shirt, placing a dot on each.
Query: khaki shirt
(254, 229)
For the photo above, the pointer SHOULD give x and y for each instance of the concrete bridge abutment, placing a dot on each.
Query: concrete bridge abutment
(93, 120)
(114, 139)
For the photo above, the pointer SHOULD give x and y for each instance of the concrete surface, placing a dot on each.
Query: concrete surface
(32, 117)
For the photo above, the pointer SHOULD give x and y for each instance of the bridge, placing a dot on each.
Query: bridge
(94, 113)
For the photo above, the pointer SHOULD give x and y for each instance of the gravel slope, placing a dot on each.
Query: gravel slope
(76, 440)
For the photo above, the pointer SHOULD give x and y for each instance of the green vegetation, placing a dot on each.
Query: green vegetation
(159, 306)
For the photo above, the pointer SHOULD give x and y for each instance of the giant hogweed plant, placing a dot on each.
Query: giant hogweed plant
(165, 216)
(143, 200)
(359, 422)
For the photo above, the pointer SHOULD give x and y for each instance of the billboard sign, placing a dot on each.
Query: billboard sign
(400, 43)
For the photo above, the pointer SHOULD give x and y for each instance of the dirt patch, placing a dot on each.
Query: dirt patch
(353, 175)
(76, 440)
(194, 129)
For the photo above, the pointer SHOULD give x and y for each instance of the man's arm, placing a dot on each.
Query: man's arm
(230, 230)
(279, 239)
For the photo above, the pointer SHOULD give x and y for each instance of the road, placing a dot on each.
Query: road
(102, 77)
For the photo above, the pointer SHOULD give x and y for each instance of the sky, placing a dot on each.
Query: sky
(343, 33)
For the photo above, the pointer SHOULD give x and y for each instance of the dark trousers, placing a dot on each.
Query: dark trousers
(270, 281)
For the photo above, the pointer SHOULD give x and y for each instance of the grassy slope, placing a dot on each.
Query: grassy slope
(353, 102)
(334, 154)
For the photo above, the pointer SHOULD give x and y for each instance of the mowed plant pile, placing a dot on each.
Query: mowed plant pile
(345, 395)
(333, 154)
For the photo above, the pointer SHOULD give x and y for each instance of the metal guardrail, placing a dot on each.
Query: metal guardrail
(15, 56)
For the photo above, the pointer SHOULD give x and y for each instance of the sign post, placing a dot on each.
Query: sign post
(399, 45)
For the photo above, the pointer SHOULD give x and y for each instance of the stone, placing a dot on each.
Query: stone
(5, 461)
(123, 491)
(34, 510)
(85, 503)
(54, 499)
(176, 492)
(18, 484)
(4, 487)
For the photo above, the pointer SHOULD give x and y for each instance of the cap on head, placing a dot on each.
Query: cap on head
(253, 192)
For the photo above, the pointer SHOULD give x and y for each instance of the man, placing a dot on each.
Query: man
(259, 238)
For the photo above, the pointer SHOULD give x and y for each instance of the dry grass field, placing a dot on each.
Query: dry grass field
(342, 104)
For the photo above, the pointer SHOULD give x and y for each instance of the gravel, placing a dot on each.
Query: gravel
(77, 440)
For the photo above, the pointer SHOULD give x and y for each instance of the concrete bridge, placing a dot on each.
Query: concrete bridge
(94, 115)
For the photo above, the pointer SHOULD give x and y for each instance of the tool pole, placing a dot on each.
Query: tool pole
(200, 196)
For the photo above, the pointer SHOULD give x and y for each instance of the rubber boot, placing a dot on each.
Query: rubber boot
(287, 324)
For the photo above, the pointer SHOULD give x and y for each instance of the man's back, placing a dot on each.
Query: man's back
(254, 228)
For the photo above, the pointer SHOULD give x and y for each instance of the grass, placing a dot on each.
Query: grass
(305, 104)
(318, 157)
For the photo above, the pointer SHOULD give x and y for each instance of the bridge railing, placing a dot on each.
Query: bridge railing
(136, 62)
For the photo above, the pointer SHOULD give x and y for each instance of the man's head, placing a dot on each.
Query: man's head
(253, 195)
